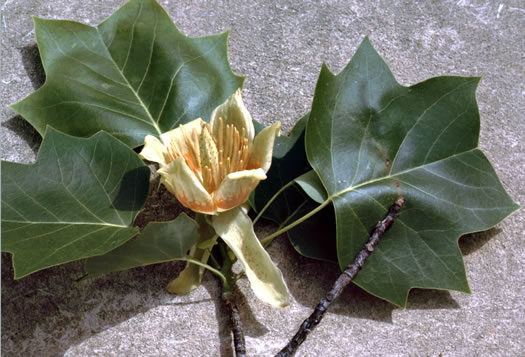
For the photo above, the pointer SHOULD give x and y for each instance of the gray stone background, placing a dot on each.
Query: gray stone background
(279, 46)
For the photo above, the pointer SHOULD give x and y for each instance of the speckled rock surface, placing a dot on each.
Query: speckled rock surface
(279, 46)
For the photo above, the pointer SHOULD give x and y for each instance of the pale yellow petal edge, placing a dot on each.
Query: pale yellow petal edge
(154, 150)
(184, 185)
(233, 111)
(262, 149)
(236, 188)
(266, 280)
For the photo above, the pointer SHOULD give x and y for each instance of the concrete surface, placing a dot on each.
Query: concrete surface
(279, 46)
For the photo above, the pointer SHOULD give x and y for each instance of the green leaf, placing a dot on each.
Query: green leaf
(371, 140)
(312, 185)
(134, 74)
(312, 238)
(315, 237)
(190, 278)
(158, 242)
(78, 200)
(288, 162)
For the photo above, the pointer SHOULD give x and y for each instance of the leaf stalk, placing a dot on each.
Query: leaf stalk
(266, 240)
(209, 267)
(281, 190)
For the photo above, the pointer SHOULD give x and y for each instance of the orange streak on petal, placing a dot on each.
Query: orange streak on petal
(206, 207)
(226, 203)
(253, 165)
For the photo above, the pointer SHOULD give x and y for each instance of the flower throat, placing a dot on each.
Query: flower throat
(213, 157)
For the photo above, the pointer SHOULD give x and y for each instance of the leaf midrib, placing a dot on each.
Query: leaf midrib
(105, 224)
(390, 176)
(146, 110)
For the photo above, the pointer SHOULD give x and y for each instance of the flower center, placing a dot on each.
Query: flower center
(212, 157)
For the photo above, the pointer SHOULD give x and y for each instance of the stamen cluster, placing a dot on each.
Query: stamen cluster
(213, 157)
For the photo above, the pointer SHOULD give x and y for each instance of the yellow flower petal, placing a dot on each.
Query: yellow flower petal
(236, 188)
(184, 141)
(233, 111)
(177, 134)
(180, 180)
(220, 160)
(154, 150)
(266, 280)
(262, 148)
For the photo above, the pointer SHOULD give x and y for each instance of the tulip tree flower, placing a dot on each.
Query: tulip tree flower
(212, 169)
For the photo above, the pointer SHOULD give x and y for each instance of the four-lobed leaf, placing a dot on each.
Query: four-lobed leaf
(132, 75)
(371, 140)
(78, 200)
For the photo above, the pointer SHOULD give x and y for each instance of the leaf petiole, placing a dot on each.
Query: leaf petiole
(281, 190)
(204, 265)
(266, 240)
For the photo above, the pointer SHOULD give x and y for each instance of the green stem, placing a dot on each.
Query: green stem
(210, 268)
(272, 199)
(270, 237)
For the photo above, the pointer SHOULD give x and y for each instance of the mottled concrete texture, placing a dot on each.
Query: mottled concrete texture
(279, 46)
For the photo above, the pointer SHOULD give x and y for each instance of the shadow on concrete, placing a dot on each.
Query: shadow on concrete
(469, 243)
(354, 302)
(429, 299)
(33, 65)
(308, 280)
(251, 326)
(51, 303)
(35, 71)
(24, 131)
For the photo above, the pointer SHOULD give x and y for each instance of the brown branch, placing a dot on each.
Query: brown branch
(237, 329)
(342, 281)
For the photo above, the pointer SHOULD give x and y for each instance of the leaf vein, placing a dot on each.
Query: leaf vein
(5, 203)
(441, 133)
(102, 188)
(177, 71)
(132, 32)
(150, 53)
(34, 200)
(418, 120)
(65, 222)
(144, 107)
